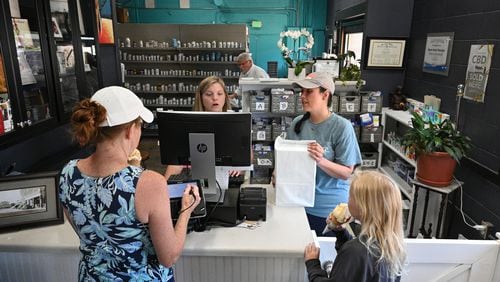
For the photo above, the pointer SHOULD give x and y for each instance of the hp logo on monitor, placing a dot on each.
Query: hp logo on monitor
(202, 148)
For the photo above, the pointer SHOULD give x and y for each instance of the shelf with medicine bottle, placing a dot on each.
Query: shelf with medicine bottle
(164, 63)
(275, 102)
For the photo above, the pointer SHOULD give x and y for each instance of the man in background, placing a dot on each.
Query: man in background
(248, 69)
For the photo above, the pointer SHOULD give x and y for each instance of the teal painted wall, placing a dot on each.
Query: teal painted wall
(276, 16)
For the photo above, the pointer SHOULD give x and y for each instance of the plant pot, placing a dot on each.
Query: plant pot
(435, 169)
(292, 76)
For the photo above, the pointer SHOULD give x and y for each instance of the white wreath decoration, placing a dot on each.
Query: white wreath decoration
(295, 34)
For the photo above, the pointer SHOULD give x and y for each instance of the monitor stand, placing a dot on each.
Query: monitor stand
(202, 154)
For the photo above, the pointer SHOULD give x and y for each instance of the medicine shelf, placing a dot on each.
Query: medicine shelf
(401, 155)
(404, 187)
(163, 92)
(172, 49)
(175, 76)
(156, 106)
(181, 62)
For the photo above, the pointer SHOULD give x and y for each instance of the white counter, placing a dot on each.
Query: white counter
(271, 252)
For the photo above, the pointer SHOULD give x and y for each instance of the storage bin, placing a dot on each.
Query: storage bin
(263, 158)
(370, 159)
(278, 130)
(261, 132)
(349, 104)
(371, 104)
(298, 104)
(334, 107)
(259, 102)
(283, 101)
(371, 134)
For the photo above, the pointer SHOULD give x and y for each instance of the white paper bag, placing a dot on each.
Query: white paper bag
(295, 173)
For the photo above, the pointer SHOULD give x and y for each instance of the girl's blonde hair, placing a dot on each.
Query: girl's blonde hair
(378, 200)
(202, 88)
(85, 120)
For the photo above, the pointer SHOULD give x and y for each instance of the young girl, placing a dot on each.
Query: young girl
(335, 149)
(378, 253)
(211, 96)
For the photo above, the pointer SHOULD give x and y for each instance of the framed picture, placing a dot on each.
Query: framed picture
(56, 30)
(104, 18)
(385, 53)
(29, 201)
(438, 53)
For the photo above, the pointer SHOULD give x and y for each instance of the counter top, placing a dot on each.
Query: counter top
(284, 234)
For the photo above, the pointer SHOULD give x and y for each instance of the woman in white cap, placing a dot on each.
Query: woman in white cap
(120, 212)
(335, 151)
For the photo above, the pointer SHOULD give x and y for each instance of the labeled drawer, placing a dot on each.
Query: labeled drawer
(334, 107)
(370, 159)
(371, 104)
(279, 130)
(371, 134)
(261, 132)
(263, 158)
(349, 104)
(283, 101)
(259, 102)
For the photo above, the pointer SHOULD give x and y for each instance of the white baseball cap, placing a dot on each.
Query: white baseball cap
(121, 105)
(317, 79)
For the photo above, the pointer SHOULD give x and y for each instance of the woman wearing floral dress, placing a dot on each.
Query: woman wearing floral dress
(120, 212)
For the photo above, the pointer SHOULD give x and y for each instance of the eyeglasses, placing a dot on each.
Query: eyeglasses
(240, 64)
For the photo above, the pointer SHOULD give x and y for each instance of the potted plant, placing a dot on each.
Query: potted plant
(293, 54)
(350, 74)
(438, 148)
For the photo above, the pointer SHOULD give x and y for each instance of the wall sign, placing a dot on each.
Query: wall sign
(438, 53)
(478, 69)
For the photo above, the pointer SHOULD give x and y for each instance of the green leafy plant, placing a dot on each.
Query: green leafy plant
(348, 70)
(299, 66)
(427, 137)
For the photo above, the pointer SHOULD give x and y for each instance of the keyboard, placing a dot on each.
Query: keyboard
(183, 176)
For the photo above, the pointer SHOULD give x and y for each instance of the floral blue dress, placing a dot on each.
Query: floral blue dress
(114, 244)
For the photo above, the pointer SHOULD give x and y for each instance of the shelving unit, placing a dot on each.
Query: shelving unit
(369, 148)
(401, 167)
(164, 63)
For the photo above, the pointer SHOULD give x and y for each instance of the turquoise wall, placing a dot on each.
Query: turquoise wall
(275, 15)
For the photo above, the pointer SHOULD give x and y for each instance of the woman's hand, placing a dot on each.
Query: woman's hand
(311, 252)
(190, 198)
(316, 151)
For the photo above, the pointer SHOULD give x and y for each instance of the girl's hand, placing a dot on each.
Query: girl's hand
(311, 252)
(234, 173)
(315, 151)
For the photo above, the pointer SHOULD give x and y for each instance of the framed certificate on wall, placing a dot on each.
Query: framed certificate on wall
(385, 53)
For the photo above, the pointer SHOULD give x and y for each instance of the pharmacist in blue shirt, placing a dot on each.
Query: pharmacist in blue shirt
(335, 151)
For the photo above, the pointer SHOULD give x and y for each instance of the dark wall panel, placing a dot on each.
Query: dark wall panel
(473, 22)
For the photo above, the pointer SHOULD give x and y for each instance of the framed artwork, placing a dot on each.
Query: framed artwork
(385, 53)
(29, 200)
(104, 18)
(56, 30)
(438, 53)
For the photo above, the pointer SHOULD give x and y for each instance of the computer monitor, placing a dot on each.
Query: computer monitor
(205, 140)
